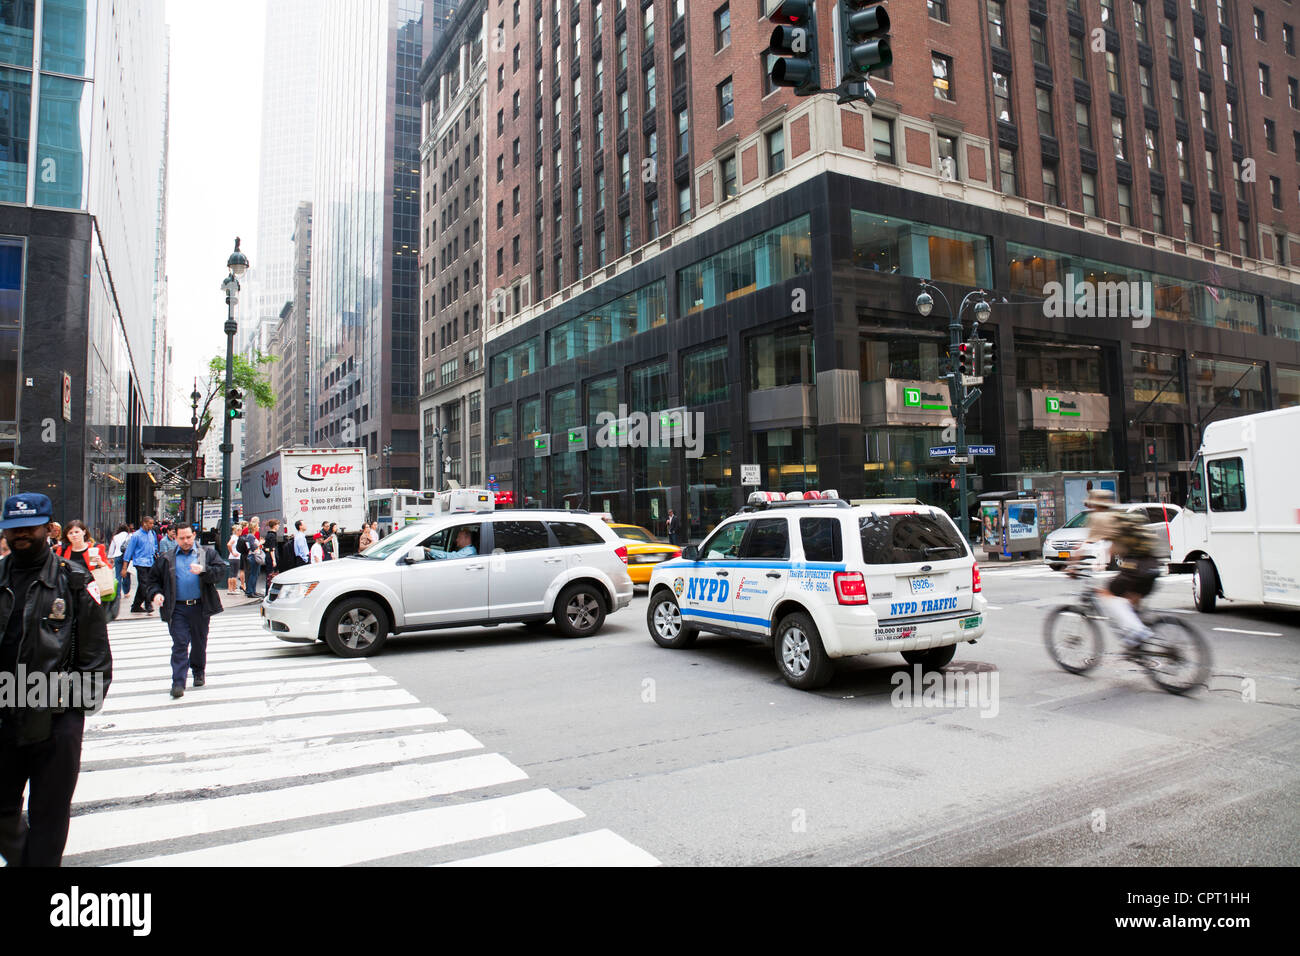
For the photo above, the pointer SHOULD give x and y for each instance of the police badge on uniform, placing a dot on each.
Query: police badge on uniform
(58, 610)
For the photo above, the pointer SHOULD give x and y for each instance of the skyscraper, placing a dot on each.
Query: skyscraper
(364, 359)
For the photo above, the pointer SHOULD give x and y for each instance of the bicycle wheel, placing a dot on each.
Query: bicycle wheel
(1178, 656)
(1073, 639)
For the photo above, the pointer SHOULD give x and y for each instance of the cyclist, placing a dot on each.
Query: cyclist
(1132, 547)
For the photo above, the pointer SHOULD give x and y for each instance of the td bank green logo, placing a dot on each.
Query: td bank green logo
(912, 397)
(1053, 405)
(926, 401)
(1056, 407)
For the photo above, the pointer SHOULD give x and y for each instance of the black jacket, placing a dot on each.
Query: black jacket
(75, 643)
(162, 581)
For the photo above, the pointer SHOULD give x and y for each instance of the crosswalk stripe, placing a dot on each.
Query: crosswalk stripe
(150, 654)
(209, 743)
(135, 681)
(109, 829)
(225, 656)
(364, 840)
(233, 668)
(187, 714)
(285, 760)
(598, 848)
(159, 700)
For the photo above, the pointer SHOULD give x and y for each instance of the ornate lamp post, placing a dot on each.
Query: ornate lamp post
(238, 265)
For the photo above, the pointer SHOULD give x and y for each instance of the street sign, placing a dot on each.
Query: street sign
(982, 450)
(972, 379)
(942, 451)
(492, 479)
(749, 475)
(960, 459)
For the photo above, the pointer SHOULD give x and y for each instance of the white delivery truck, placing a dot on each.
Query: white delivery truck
(311, 484)
(1239, 536)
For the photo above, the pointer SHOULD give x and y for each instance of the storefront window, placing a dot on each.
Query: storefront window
(1286, 319)
(898, 465)
(651, 482)
(648, 388)
(563, 411)
(623, 318)
(1066, 451)
(890, 244)
(708, 486)
(503, 426)
(1228, 385)
(530, 489)
(606, 482)
(704, 376)
(776, 255)
(1288, 387)
(782, 358)
(567, 490)
(1156, 378)
(515, 362)
(911, 357)
(530, 419)
(787, 459)
(1076, 368)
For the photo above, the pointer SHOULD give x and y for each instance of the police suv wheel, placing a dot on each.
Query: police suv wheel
(579, 611)
(356, 627)
(664, 618)
(800, 655)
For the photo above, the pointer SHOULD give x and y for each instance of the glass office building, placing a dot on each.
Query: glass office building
(82, 243)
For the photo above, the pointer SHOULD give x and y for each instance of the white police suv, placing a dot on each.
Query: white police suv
(821, 579)
(457, 570)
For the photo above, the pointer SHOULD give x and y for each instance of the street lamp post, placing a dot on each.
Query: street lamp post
(961, 398)
(238, 265)
(443, 461)
(195, 398)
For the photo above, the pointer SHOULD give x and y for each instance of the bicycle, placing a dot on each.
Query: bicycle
(1176, 657)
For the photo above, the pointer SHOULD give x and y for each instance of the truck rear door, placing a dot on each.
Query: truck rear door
(1233, 526)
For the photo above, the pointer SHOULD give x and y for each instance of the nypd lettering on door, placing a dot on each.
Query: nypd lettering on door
(703, 589)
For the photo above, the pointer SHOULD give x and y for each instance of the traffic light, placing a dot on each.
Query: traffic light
(234, 404)
(794, 44)
(1151, 452)
(863, 44)
(986, 359)
(964, 366)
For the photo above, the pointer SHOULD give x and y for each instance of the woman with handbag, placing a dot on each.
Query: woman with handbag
(80, 548)
(232, 553)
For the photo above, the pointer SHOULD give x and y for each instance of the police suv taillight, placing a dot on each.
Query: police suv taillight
(850, 587)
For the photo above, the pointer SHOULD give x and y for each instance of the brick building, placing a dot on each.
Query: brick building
(665, 230)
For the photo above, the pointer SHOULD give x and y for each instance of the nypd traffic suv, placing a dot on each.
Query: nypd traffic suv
(820, 579)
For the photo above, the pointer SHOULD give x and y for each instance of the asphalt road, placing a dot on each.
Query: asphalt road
(705, 756)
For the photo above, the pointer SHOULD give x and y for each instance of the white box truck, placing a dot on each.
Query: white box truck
(311, 484)
(1239, 536)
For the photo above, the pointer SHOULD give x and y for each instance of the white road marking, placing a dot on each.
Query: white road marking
(1233, 630)
(161, 700)
(234, 668)
(109, 829)
(374, 839)
(598, 848)
(185, 713)
(209, 743)
(249, 674)
(224, 657)
(287, 760)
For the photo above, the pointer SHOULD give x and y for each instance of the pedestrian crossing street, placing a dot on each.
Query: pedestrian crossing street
(292, 757)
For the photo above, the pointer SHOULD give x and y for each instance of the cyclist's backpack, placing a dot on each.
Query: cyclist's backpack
(1133, 539)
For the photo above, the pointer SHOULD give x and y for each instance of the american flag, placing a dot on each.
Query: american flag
(1214, 282)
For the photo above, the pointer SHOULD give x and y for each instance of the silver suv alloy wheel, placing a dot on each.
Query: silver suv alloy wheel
(358, 628)
(668, 620)
(582, 611)
(796, 651)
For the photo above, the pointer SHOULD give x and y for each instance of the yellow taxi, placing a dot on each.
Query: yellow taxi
(644, 551)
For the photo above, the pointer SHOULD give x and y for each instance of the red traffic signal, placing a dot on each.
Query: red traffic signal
(794, 45)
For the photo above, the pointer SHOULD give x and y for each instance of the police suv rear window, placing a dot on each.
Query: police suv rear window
(821, 539)
(908, 538)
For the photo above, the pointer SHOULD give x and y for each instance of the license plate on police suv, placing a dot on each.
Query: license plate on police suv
(922, 584)
(1063, 554)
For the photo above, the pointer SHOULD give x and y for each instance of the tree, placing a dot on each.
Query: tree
(247, 376)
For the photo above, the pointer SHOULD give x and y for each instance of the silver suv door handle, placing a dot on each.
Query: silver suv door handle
(474, 567)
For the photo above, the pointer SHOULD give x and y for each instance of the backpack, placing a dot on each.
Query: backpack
(1132, 538)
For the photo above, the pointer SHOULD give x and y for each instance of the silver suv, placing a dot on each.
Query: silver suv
(457, 570)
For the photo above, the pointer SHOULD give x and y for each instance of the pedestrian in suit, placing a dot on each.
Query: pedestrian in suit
(51, 624)
(184, 585)
(672, 526)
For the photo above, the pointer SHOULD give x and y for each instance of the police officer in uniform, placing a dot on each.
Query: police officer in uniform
(51, 622)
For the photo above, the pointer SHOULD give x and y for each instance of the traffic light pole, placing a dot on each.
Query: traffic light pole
(231, 285)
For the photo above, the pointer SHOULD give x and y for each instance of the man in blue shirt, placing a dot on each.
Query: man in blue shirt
(167, 543)
(140, 552)
(464, 547)
(184, 585)
(300, 550)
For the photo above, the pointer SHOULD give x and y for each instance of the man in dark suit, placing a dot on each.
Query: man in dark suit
(184, 585)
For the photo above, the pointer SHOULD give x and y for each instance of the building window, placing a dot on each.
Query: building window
(936, 8)
(1265, 81)
(729, 177)
(1232, 121)
(1261, 34)
(683, 133)
(1270, 136)
(648, 33)
(726, 106)
(1089, 182)
(1212, 169)
(1112, 73)
(1140, 23)
(1189, 223)
(650, 89)
(882, 136)
(1152, 138)
(1050, 194)
(622, 51)
(1124, 193)
(1083, 122)
(1207, 111)
(722, 27)
(1216, 229)
(1117, 138)
(683, 204)
(1243, 236)
(622, 111)
(1157, 212)
(997, 23)
(1038, 44)
(1180, 147)
(948, 156)
(1007, 167)
(1043, 103)
(1002, 98)
(775, 151)
(1288, 39)
(652, 219)
(1275, 191)
(1078, 62)
(626, 223)
(1293, 92)
(1144, 81)
(1176, 94)
(624, 172)
(941, 68)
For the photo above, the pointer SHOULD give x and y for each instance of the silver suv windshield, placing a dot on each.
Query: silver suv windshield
(394, 542)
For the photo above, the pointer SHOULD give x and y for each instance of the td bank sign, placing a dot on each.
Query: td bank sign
(1061, 406)
(1060, 411)
(905, 402)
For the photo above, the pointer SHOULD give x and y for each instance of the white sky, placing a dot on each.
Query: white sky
(215, 116)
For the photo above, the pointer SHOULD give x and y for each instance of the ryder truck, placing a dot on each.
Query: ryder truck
(311, 484)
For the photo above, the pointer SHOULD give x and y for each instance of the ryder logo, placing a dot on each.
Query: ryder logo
(269, 480)
(319, 472)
